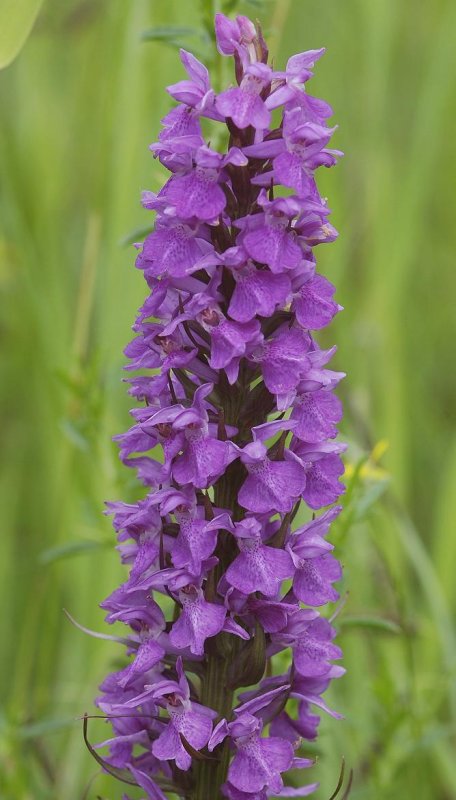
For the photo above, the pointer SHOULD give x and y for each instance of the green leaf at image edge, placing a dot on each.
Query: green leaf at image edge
(376, 623)
(17, 18)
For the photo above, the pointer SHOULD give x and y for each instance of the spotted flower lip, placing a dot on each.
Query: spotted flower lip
(268, 239)
(258, 762)
(243, 104)
(186, 719)
(234, 442)
(257, 292)
(173, 248)
(198, 620)
(257, 568)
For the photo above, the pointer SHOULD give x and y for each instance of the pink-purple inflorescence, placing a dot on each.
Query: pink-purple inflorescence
(235, 428)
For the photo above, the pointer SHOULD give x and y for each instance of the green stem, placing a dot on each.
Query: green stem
(217, 695)
(216, 692)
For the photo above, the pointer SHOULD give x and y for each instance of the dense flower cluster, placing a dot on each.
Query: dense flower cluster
(236, 427)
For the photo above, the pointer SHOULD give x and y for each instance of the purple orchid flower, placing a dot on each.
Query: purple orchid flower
(229, 340)
(186, 718)
(195, 92)
(270, 484)
(257, 291)
(235, 428)
(257, 568)
(268, 239)
(232, 35)
(298, 72)
(323, 467)
(198, 620)
(174, 249)
(311, 642)
(305, 141)
(313, 579)
(198, 193)
(258, 763)
(197, 537)
(204, 456)
(243, 104)
(283, 359)
(313, 303)
(149, 653)
(317, 414)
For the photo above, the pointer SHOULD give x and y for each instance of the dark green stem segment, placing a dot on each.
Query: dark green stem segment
(216, 694)
(217, 690)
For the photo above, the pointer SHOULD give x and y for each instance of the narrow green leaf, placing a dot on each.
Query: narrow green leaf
(71, 549)
(229, 6)
(34, 729)
(371, 494)
(129, 642)
(120, 774)
(376, 623)
(249, 665)
(196, 754)
(167, 33)
(349, 785)
(17, 18)
(340, 781)
(74, 434)
(136, 235)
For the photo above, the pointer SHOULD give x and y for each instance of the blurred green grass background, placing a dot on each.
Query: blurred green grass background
(78, 109)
